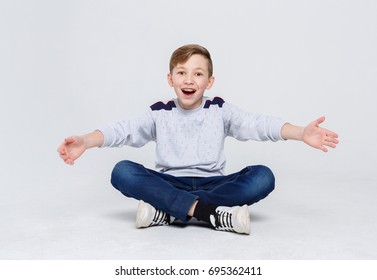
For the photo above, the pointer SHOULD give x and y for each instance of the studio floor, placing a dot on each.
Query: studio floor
(88, 219)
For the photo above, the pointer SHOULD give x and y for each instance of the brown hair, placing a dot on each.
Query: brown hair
(182, 54)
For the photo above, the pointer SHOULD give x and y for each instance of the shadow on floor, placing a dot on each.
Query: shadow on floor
(130, 216)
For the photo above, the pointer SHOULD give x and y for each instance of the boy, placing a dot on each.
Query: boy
(189, 132)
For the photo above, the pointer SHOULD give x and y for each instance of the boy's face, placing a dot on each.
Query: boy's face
(190, 80)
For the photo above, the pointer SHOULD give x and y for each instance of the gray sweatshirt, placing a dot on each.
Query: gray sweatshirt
(191, 142)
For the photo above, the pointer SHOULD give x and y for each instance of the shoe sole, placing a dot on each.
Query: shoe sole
(142, 214)
(244, 220)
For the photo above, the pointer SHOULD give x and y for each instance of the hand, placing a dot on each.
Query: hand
(318, 137)
(71, 149)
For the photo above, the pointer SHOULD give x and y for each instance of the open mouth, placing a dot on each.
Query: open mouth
(188, 91)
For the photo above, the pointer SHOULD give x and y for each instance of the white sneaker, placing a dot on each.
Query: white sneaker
(233, 219)
(148, 216)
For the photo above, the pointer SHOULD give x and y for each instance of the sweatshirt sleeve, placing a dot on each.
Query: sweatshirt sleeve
(131, 132)
(249, 126)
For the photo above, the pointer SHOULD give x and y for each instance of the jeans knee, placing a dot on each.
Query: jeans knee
(268, 177)
(262, 181)
(124, 165)
(121, 171)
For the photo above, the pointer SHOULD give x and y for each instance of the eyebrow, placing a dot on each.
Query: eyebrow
(183, 68)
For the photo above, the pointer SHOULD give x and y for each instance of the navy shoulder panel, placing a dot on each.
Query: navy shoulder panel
(216, 101)
(162, 106)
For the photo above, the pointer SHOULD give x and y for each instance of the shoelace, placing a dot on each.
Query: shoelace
(160, 218)
(224, 221)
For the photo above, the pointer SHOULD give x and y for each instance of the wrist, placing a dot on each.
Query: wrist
(93, 139)
(292, 132)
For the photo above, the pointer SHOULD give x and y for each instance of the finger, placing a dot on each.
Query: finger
(323, 148)
(69, 161)
(332, 140)
(69, 140)
(64, 153)
(64, 157)
(61, 149)
(318, 121)
(329, 144)
(330, 133)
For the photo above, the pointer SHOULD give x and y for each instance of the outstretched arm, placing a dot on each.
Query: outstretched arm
(73, 147)
(313, 135)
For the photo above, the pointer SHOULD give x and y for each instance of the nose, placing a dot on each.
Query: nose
(189, 80)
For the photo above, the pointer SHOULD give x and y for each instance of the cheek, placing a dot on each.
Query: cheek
(176, 81)
(203, 84)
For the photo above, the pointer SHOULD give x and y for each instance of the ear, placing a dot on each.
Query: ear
(170, 80)
(211, 81)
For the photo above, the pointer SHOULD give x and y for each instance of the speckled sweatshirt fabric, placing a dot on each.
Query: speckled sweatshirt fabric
(191, 142)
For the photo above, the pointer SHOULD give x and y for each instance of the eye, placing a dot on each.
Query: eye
(180, 73)
(198, 74)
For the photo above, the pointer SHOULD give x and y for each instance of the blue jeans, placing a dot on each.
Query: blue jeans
(176, 195)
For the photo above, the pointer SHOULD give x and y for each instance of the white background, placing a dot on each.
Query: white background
(67, 67)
